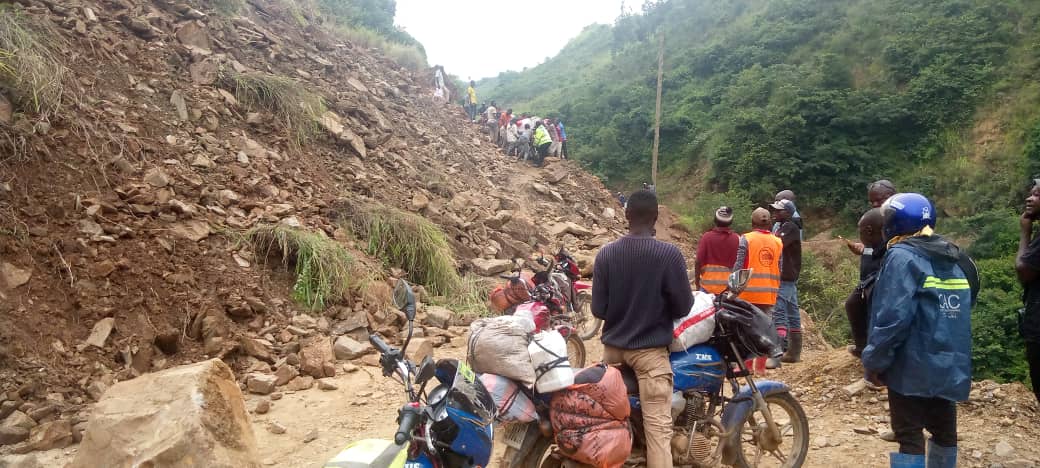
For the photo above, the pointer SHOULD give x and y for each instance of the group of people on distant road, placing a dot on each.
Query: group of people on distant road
(525, 137)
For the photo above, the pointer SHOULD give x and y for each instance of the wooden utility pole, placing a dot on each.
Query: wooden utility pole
(657, 113)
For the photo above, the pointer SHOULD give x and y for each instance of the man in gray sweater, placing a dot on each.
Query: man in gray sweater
(640, 286)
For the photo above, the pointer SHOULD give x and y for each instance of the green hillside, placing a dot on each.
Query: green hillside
(820, 96)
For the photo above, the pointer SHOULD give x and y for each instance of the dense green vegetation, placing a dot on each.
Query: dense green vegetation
(820, 96)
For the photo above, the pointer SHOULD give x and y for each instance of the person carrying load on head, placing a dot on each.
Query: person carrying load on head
(716, 254)
(641, 287)
(919, 343)
(761, 251)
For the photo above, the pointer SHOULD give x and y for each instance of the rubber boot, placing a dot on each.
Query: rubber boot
(941, 457)
(794, 352)
(905, 460)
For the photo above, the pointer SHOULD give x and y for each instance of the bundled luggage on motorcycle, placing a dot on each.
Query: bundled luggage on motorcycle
(514, 406)
(753, 330)
(505, 297)
(552, 369)
(499, 345)
(590, 418)
(697, 326)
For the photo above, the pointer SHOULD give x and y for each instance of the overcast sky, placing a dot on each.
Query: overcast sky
(479, 38)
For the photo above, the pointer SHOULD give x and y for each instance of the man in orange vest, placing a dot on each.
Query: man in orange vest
(716, 253)
(760, 250)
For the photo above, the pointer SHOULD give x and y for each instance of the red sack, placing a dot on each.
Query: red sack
(508, 295)
(590, 419)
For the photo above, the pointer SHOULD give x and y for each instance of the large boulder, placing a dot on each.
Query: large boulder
(191, 415)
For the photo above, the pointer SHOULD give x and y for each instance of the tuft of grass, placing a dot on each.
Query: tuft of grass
(297, 108)
(325, 271)
(469, 300)
(409, 242)
(30, 66)
(407, 56)
(227, 7)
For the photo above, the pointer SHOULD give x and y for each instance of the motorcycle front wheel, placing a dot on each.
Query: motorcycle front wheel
(794, 433)
(588, 325)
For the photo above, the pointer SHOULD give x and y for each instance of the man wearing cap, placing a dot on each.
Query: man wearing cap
(788, 194)
(786, 315)
(761, 251)
(716, 253)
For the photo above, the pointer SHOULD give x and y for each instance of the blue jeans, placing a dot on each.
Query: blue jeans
(785, 314)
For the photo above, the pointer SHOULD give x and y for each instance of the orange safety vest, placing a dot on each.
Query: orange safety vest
(763, 257)
(715, 277)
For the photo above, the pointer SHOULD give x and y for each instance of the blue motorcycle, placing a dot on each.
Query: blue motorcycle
(449, 427)
(757, 424)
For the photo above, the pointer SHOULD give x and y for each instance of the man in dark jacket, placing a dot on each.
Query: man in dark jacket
(786, 316)
(641, 287)
(919, 343)
(857, 306)
(1027, 266)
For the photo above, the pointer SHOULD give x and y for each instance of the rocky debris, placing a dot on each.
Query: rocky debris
(301, 383)
(198, 408)
(13, 435)
(20, 420)
(439, 317)
(559, 229)
(348, 348)
(314, 355)
(276, 428)
(333, 124)
(261, 384)
(284, 374)
(1003, 450)
(13, 276)
(855, 388)
(192, 230)
(262, 407)
(47, 436)
(327, 385)
(418, 349)
(140, 237)
(311, 436)
(490, 267)
(99, 334)
(350, 368)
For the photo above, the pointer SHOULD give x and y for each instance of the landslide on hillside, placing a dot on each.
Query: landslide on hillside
(143, 208)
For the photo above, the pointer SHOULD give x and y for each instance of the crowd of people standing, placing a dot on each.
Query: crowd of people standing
(522, 136)
(910, 313)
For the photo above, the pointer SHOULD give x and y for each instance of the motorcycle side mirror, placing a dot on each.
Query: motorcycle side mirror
(426, 370)
(738, 280)
(404, 299)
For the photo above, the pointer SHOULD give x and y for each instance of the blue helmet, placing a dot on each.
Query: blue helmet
(907, 213)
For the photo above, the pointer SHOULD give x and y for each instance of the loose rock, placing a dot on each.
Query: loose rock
(198, 408)
(99, 334)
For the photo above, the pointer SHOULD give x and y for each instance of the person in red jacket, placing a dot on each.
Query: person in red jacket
(716, 253)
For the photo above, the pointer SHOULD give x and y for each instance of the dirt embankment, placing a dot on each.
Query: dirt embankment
(122, 215)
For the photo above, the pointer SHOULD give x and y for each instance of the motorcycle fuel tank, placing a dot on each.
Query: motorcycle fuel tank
(698, 368)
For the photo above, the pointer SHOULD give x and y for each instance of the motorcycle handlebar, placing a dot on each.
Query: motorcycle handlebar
(407, 421)
(379, 344)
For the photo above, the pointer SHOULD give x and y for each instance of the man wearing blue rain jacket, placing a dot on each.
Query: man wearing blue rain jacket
(919, 343)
